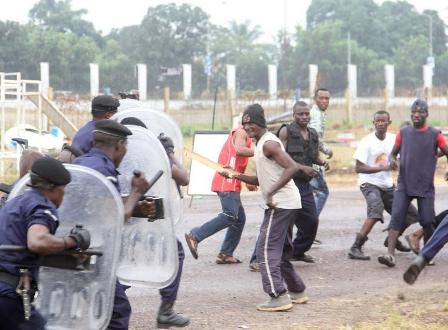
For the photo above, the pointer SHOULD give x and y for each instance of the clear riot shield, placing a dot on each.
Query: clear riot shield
(83, 299)
(158, 122)
(149, 249)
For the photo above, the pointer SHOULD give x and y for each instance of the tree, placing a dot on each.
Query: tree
(409, 57)
(68, 56)
(58, 15)
(115, 63)
(168, 36)
(14, 56)
(238, 45)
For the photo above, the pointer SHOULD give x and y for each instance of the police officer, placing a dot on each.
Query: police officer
(30, 221)
(103, 107)
(166, 315)
(302, 144)
(109, 148)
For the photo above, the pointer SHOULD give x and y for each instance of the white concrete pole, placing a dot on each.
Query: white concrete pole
(389, 73)
(44, 78)
(94, 80)
(142, 81)
(231, 78)
(272, 77)
(352, 80)
(186, 71)
(312, 79)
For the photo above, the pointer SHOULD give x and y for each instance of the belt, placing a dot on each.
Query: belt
(10, 279)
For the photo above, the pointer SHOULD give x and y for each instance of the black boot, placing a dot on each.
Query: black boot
(167, 317)
(356, 249)
(411, 274)
(399, 245)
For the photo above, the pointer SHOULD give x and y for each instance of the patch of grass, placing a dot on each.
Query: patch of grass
(397, 321)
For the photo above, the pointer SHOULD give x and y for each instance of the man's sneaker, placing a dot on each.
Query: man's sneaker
(192, 244)
(298, 297)
(304, 257)
(317, 242)
(414, 269)
(399, 245)
(387, 259)
(254, 267)
(276, 304)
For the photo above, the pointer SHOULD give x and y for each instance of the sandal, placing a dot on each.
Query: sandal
(387, 259)
(222, 259)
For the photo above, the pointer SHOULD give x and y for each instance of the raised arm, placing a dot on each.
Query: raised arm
(239, 141)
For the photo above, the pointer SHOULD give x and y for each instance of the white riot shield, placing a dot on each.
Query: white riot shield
(83, 299)
(158, 122)
(149, 249)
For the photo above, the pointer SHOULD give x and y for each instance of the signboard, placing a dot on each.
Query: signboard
(209, 145)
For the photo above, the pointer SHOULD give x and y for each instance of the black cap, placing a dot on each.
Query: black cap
(105, 103)
(51, 170)
(254, 113)
(111, 127)
(133, 121)
(421, 104)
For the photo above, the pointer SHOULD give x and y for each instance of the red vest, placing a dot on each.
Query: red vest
(228, 157)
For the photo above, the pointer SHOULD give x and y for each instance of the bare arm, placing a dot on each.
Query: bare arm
(139, 185)
(178, 173)
(40, 241)
(239, 141)
(283, 136)
(250, 179)
(393, 157)
(366, 169)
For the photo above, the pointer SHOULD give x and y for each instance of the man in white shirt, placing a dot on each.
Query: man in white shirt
(376, 181)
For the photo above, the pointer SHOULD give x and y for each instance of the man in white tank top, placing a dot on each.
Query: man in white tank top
(275, 168)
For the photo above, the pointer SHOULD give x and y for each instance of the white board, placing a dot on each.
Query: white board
(209, 145)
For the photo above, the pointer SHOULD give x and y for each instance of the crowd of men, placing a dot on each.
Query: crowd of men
(290, 172)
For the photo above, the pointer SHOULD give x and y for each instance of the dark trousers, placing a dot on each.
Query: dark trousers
(169, 293)
(12, 317)
(400, 206)
(121, 312)
(274, 249)
(437, 241)
(306, 219)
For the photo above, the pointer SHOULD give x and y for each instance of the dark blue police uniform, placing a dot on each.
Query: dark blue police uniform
(16, 217)
(83, 139)
(96, 159)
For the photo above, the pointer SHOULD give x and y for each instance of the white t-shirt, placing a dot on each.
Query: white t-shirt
(268, 173)
(373, 152)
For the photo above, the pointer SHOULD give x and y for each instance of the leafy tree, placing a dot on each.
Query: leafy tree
(409, 57)
(113, 63)
(14, 56)
(168, 36)
(238, 45)
(59, 16)
(69, 64)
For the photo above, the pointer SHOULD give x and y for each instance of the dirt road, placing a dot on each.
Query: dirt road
(344, 294)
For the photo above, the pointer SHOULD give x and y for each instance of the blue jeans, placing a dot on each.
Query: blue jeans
(231, 217)
(320, 190)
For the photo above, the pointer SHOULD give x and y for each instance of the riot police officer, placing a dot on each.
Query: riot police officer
(105, 156)
(103, 107)
(29, 222)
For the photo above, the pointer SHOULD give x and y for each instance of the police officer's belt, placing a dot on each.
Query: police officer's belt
(7, 278)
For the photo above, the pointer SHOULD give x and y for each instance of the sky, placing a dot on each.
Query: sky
(270, 15)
